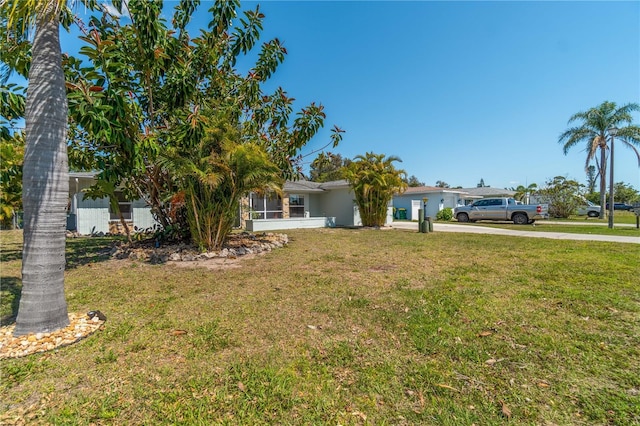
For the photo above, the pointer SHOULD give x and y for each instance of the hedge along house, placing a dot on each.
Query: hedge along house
(304, 204)
(87, 216)
(436, 198)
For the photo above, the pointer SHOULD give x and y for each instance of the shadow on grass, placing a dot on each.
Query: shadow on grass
(10, 299)
(11, 254)
(81, 251)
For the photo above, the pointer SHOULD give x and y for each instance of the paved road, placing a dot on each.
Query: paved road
(474, 229)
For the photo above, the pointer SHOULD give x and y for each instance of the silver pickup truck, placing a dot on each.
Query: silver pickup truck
(501, 209)
(589, 209)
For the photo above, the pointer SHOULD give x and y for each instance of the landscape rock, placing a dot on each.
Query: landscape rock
(80, 326)
(237, 245)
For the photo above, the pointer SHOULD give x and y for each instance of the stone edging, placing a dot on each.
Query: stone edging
(237, 245)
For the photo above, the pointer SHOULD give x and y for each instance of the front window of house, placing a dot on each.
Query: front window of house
(296, 205)
(265, 206)
(125, 208)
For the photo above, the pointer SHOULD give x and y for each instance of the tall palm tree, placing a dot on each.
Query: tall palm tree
(594, 131)
(523, 192)
(591, 178)
(43, 306)
(375, 180)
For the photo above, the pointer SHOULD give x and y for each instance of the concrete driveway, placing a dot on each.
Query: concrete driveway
(474, 229)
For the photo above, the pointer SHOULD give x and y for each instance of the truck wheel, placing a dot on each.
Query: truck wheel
(520, 219)
(593, 214)
(462, 217)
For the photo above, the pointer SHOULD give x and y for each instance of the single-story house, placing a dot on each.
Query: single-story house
(304, 204)
(486, 192)
(408, 203)
(87, 216)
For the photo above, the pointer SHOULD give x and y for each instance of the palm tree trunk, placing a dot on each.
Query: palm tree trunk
(603, 181)
(43, 306)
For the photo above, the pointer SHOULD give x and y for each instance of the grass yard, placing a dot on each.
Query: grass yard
(567, 227)
(624, 225)
(345, 327)
(619, 217)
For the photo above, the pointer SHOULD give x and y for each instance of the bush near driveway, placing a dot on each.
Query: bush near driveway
(445, 214)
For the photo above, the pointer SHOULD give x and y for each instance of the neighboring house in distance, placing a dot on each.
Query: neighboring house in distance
(437, 199)
(304, 204)
(485, 192)
(87, 216)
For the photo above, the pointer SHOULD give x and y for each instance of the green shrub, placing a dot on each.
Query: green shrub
(445, 214)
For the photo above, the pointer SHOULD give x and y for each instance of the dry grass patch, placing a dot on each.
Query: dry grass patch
(349, 327)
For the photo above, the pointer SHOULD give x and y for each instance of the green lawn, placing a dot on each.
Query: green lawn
(568, 227)
(346, 327)
(619, 217)
(624, 217)
(624, 225)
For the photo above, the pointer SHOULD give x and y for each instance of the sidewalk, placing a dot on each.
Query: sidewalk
(473, 229)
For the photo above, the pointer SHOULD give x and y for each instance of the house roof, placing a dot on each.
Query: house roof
(430, 189)
(487, 191)
(301, 186)
(342, 183)
(306, 186)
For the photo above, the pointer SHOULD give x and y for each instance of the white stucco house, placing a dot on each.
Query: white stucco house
(304, 204)
(88, 216)
(407, 204)
(437, 199)
(486, 192)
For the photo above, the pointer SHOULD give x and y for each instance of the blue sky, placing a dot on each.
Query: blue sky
(460, 91)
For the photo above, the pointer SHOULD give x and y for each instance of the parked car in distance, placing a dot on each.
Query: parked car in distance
(620, 206)
(589, 209)
(501, 209)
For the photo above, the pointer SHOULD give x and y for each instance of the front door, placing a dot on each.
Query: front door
(415, 206)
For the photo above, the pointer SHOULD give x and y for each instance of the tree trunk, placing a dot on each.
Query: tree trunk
(43, 306)
(603, 181)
